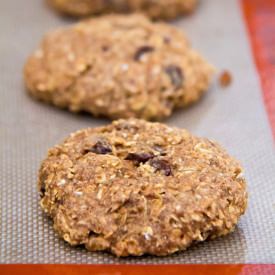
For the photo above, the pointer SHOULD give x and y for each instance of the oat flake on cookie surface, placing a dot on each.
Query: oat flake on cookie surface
(134, 187)
(160, 9)
(118, 66)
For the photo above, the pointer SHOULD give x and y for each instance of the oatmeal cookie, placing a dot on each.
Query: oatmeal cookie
(161, 9)
(135, 187)
(119, 67)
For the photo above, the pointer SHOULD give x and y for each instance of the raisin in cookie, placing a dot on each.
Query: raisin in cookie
(136, 187)
(163, 9)
(119, 67)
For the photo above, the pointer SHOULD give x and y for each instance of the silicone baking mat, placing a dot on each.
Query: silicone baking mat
(235, 116)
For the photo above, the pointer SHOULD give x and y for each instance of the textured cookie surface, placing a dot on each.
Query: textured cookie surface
(119, 67)
(135, 187)
(165, 9)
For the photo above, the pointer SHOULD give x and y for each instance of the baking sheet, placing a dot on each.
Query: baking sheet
(234, 116)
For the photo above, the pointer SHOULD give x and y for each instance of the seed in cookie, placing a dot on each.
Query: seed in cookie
(134, 201)
(159, 149)
(154, 9)
(118, 67)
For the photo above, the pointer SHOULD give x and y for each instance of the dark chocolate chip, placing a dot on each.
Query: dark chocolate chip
(141, 51)
(176, 75)
(42, 191)
(101, 147)
(139, 157)
(161, 165)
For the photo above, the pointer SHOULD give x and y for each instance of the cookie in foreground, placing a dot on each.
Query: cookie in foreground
(161, 9)
(134, 187)
(118, 67)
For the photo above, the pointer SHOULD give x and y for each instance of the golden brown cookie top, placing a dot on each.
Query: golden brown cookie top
(135, 187)
(119, 67)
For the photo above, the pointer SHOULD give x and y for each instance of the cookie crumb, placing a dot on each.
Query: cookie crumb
(225, 78)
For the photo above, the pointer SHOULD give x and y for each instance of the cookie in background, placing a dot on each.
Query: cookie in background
(161, 9)
(118, 66)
